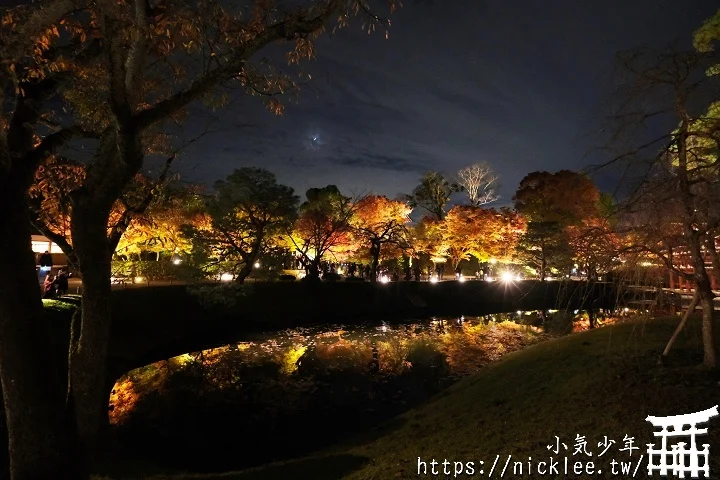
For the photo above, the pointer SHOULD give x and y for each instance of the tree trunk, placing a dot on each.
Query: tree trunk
(33, 391)
(694, 239)
(375, 254)
(250, 259)
(591, 316)
(314, 269)
(88, 350)
(591, 294)
(244, 273)
(4, 460)
(681, 325)
(708, 310)
(246, 270)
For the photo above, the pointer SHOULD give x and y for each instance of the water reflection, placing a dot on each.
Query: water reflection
(332, 380)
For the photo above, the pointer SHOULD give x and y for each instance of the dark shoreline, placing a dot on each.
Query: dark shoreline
(170, 320)
(156, 323)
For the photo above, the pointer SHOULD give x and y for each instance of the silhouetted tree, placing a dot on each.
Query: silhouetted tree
(248, 212)
(433, 194)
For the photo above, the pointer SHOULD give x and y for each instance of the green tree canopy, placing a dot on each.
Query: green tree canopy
(323, 226)
(433, 194)
(250, 209)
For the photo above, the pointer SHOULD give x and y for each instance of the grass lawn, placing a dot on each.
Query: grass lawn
(594, 384)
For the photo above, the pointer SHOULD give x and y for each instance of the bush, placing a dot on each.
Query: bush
(331, 277)
(428, 365)
(354, 279)
(559, 323)
(163, 269)
(287, 278)
(341, 357)
(266, 275)
(424, 356)
(223, 296)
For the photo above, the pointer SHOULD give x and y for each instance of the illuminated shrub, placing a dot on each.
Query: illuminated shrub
(343, 356)
(559, 323)
(424, 357)
(392, 354)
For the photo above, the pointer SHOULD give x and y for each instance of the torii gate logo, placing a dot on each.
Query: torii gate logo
(679, 460)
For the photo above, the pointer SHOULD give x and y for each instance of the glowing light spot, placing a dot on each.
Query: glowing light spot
(226, 277)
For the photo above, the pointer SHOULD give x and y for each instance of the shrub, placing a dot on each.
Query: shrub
(223, 296)
(331, 277)
(559, 323)
(425, 356)
(354, 279)
(343, 356)
(163, 269)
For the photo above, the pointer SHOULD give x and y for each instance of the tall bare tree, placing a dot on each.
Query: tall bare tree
(684, 167)
(479, 182)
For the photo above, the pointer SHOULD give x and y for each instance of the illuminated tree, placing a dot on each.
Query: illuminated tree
(114, 77)
(162, 227)
(478, 181)
(564, 197)
(484, 233)
(249, 210)
(511, 226)
(50, 197)
(595, 245)
(706, 37)
(154, 210)
(323, 227)
(433, 194)
(552, 202)
(466, 230)
(379, 221)
(428, 239)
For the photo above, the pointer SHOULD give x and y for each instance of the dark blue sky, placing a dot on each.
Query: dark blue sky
(523, 85)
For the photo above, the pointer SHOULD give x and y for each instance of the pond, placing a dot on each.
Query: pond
(291, 392)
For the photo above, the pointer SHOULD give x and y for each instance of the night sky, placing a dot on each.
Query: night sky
(523, 85)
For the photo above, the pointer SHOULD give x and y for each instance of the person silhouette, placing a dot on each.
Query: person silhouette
(61, 283)
(46, 262)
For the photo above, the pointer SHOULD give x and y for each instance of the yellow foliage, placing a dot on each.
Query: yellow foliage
(291, 357)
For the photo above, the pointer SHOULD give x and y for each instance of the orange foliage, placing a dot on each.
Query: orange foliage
(565, 197)
(157, 229)
(594, 244)
(484, 233)
(378, 215)
(123, 400)
(428, 237)
(380, 221)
